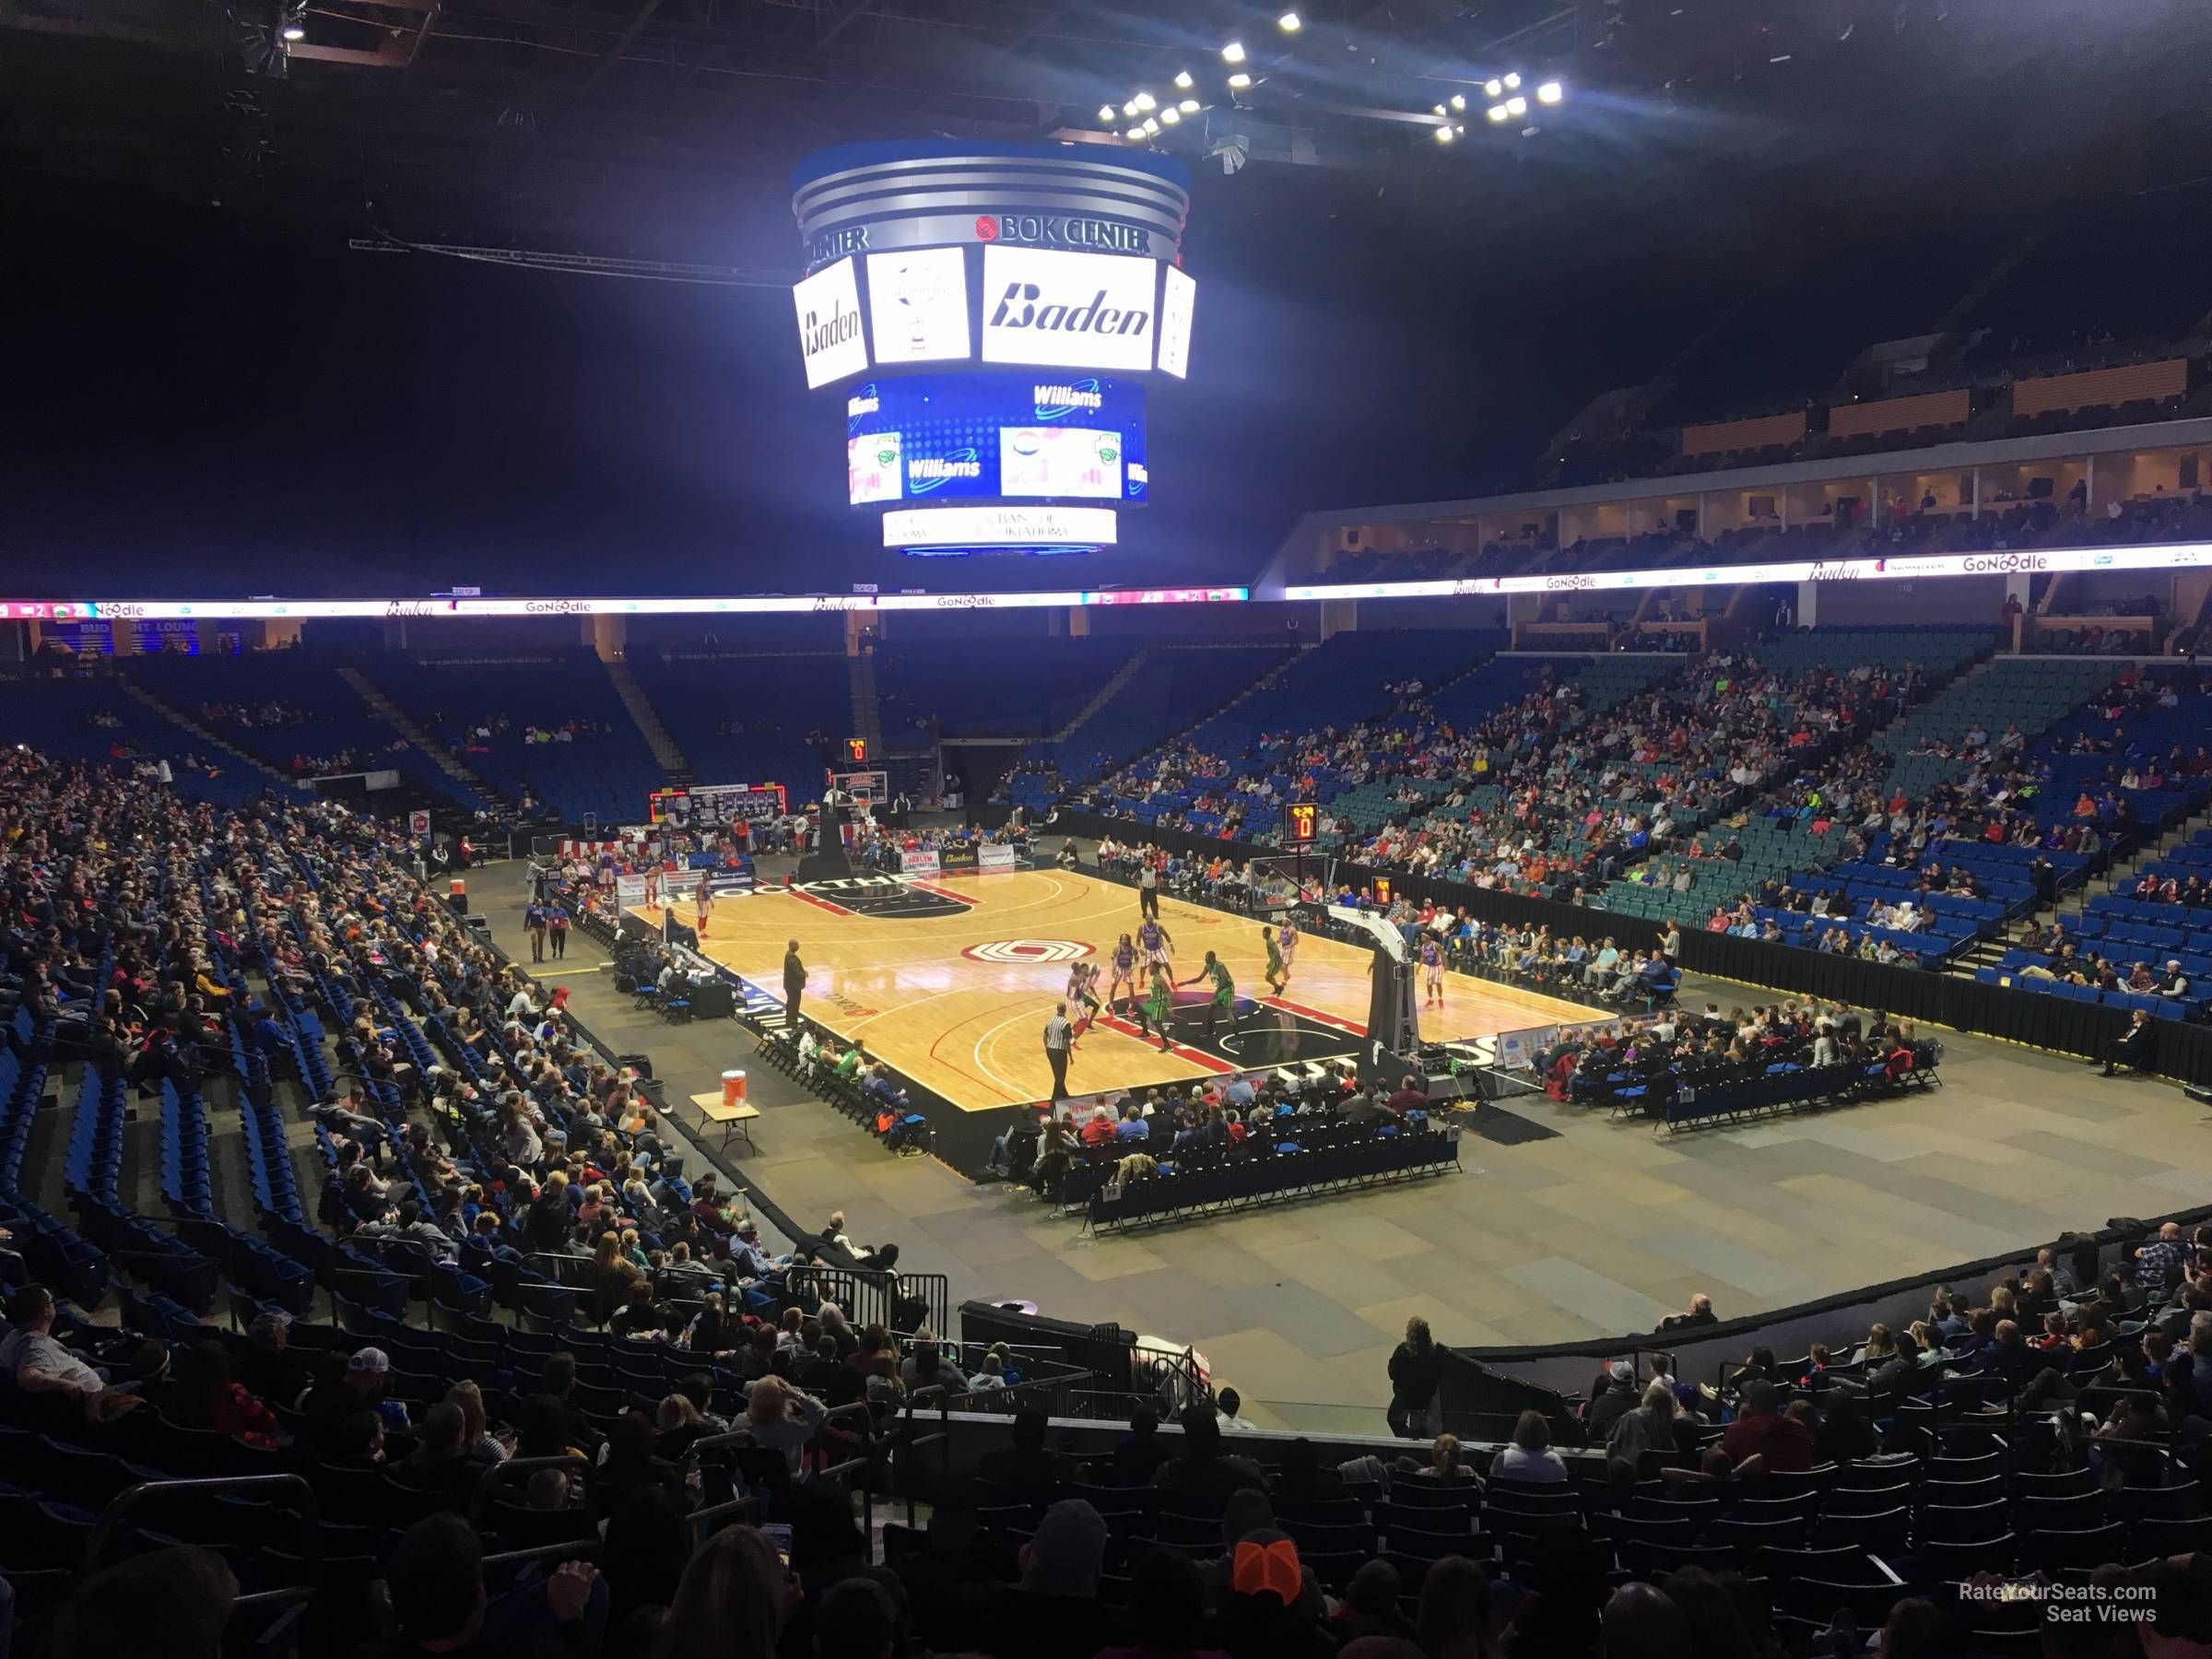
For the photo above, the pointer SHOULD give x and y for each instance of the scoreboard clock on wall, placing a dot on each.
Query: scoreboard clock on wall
(993, 316)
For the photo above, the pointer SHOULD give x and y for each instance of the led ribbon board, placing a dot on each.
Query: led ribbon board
(2177, 556)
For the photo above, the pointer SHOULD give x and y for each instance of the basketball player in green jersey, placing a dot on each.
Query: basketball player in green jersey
(1278, 970)
(1152, 1013)
(1224, 1000)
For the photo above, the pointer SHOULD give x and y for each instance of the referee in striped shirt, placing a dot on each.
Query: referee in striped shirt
(1059, 1037)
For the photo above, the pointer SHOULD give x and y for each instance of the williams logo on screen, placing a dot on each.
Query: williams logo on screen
(927, 473)
(1057, 403)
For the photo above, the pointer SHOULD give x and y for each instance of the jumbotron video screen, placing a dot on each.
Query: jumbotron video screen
(1007, 354)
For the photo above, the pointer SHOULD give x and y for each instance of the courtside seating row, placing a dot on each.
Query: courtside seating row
(909, 1133)
(1791, 1090)
(1292, 1174)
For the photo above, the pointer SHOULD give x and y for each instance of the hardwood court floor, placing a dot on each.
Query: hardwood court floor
(957, 999)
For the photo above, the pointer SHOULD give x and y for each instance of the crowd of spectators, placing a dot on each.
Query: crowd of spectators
(1240, 1118)
(479, 736)
(132, 919)
(1548, 795)
(1652, 1061)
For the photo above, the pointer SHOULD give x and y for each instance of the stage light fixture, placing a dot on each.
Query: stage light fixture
(1239, 80)
(1137, 135)
(1289, 23)
(1170, 116)
(1438, 111)
(1512, 80)
(1106, 114)
(1189, 106)
(1151, 127)
(1130, 110)
(1233, 52)
(1550, 92)
(1459, 100)
(1444, 134)
(1498, 111)
(1183, 78)
(1494, 87)
(1146, 103)
(1516, 106)
(295, 31)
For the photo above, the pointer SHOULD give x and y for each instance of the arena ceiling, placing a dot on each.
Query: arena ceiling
(665, 128)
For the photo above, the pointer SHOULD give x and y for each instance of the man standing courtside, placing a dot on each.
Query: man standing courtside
(795, 982)
(1148, 890)
(1059, 1036)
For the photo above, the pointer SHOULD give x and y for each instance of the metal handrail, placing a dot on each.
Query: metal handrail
(506, 1473)
(294, 1486)
(575, 1549)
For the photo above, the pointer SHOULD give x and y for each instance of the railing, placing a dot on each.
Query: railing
(867, 1297)
(749, 1503)
(291, 1486)
(910, 1442)
(514, 1472)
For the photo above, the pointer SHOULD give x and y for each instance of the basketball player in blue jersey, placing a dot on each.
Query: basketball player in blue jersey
(1156, 943)
(1432, 971)
(1123, 972)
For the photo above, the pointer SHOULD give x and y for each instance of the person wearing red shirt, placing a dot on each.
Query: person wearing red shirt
(1783, 1444)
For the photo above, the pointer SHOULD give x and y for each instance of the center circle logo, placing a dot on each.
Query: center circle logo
(986, 228)
(1028, 952)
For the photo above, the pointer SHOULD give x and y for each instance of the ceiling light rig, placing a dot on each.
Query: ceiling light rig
(1142, 117)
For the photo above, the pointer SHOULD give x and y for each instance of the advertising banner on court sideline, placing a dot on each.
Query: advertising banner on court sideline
(921, 863)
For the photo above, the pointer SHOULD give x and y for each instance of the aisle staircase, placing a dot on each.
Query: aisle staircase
(664, 747)
(393, 715)
(177, 717)
(1121, 676)
(1177, 733)
(867, 706)
(2117, 879)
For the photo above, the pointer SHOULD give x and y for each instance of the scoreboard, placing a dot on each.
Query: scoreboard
(1303, 818)
(992, 315)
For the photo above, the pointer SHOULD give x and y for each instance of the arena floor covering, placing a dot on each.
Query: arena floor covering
(951, 981)
(1597, 1231)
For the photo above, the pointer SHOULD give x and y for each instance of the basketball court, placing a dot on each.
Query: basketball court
(950, 981)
